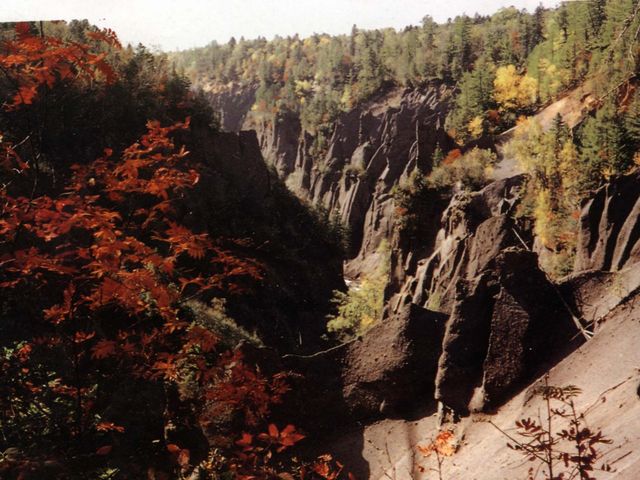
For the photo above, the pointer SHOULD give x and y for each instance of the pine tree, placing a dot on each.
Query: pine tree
(605, 145)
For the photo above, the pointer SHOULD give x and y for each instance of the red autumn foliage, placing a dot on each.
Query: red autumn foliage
(452, 156)
(33, 62)
(95, 274)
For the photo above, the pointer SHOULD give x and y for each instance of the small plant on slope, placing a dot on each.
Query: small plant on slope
(562, 444)
(442, 446)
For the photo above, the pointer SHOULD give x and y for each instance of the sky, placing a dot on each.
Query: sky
(181, 24)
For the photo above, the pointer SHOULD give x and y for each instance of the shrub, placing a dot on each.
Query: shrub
(469, 171)
(361, 306)
(560, 442)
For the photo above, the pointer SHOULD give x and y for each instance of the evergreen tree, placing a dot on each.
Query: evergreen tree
(605, 145)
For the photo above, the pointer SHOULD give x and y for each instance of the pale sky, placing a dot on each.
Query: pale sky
(181, 24)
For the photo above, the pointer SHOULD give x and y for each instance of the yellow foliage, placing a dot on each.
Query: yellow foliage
(543, 215)
(361, 307)
(303, 88)
(475, 127)
(513, 91)
(346, 101)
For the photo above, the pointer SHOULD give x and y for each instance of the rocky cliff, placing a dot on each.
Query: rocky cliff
(511, 330)
(369, 151)
(240, 198)
(470, 319)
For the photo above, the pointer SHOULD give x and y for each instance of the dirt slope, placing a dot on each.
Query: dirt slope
(606, 369)
(572, 107)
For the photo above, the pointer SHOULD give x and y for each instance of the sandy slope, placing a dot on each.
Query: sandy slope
(572, 107)
(606, 369)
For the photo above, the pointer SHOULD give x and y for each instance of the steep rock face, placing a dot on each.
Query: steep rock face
(472, 230)
(607, 266)
(370, 150)
(506, 324)
(232, 102)
(506, 318)
(237, 197)
(609, 236)
(389, 371)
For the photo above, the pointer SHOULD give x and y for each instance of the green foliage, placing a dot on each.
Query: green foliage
(473, 101)
(553, 190)
(322, 75)
(214, 318)
(361, 306)
(606, 144)
(467, 172)
(593, 40)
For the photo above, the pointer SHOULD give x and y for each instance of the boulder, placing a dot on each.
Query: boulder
(507, 324)
(393, 367)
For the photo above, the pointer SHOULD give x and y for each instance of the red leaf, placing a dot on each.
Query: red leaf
(105, 450)
(183, 457)
(103, 349)
(173, 448)
(23, 29)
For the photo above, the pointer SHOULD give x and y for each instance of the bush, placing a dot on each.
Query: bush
(361, 306)
(467, 172)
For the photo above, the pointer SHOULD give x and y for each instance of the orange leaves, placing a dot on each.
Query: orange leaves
(183, 240)
(179, 455)
(244, 390)
(24, 352)
(105, 35)
(34, 61)
(81, 337)
(452, 156)
(280, 439)
(104, 450)
(109, 427)
(107, 260)
(25, 95)
(328, 468)
(246, 441)
(286, 438)
(58, 313)
(23, 29)
(200, 337)
(443, 445)
(254, 459)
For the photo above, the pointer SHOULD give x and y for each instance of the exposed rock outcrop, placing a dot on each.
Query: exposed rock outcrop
(609, 236)
(506, 324)
(352, 172)
(389, 371)
(231, 102)
(473, 229)
(607, 265)
(392, 369)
